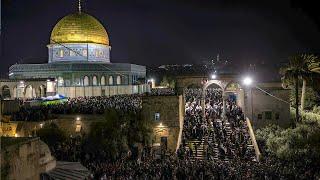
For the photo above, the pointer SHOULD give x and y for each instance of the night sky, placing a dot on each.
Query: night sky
(154, 32)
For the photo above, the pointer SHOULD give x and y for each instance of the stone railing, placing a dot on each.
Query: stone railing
(253, 139)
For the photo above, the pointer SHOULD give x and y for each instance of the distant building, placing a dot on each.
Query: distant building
(78, 65)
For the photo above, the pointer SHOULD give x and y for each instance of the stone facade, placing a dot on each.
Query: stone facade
(67, 123)
(262, 109)
(166, 113)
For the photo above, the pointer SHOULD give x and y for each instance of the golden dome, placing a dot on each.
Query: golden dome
(79, 28)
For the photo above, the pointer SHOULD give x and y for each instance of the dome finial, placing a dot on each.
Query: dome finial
(79, 5)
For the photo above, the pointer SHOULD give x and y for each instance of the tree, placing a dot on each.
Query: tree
(290, 74)
(168, 81)
(117, 133)
(310, 61)
(164, 82)
(52, 134)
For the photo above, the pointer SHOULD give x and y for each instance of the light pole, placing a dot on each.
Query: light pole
(247, 81)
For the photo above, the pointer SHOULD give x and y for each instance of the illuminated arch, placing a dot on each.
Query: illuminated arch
(94, 81)
(110, 80)
(86, 81)
(29, 92)
(103, 81)
(118, 80)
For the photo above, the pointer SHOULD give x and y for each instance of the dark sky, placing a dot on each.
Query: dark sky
(153, 32)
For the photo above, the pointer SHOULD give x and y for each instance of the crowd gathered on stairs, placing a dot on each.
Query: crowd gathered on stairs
(215, 134)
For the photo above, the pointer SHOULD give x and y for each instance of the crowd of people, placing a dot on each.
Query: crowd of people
(227, 148)
(162, 92)
(222, 134)
(79, 105)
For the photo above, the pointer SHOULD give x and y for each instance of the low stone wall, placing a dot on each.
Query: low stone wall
(67, 123)
(253, 139)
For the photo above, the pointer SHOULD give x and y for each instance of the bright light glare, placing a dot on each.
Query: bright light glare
(247, 81)
(78, 118)
(213, 76)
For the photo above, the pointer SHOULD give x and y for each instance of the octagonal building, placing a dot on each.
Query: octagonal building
(78, 64)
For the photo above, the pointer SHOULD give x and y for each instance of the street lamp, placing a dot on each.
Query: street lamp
(213, 76)
(78, 118)
(247, 81)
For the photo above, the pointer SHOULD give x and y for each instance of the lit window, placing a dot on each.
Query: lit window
(86, 81)
(110, 80)
(78, 127)
(60, 81)
(118, 80)
(103, 81)
(157, 116)
(61, 53)
(94, 81)
(96, 53)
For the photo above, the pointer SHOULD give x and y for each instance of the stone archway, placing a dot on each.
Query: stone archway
(42, 91)
(235, 88)
(28, 93)
(5, 92)
(220, 83)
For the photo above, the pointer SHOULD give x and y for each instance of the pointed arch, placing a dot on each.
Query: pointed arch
(110, 80)
(103, 81)
(86, 81)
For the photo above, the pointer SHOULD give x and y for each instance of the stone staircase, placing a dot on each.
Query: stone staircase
(199, 154)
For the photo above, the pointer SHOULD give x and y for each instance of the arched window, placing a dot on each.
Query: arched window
(110, 80)
(96, 53)
(86, 81)
(103, 81)
(6, 92)
(29, 92)
(60, 81)
(94, 81)
(61, 53)
(118, 80)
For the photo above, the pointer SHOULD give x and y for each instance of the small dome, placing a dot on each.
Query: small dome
(79, 28)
